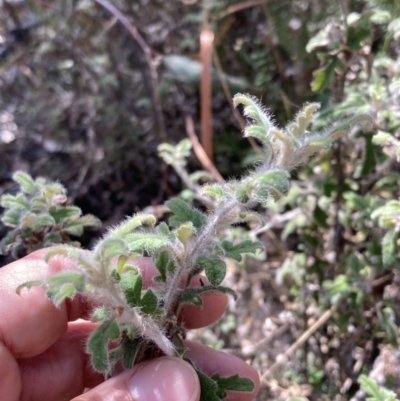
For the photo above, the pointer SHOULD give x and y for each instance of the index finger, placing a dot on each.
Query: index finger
(30, 323)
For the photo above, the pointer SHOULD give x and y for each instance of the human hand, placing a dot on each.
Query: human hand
(42, 348)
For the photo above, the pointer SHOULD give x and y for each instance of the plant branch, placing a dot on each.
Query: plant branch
(301, 340)
(150, 63)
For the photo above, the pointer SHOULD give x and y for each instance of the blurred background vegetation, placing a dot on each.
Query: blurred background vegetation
(90, 88)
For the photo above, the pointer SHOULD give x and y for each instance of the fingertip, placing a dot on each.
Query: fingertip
(214, 306)
(161, 379)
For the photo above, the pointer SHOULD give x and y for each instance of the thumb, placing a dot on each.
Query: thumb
(161, 379)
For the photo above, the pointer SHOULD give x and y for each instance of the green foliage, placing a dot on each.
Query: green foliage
(189, 246)
(38, 217)
(214, 388)
(376, 393)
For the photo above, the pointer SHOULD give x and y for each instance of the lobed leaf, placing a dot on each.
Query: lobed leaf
(98, 344)
(149, 302)
(145, 241)
(132, 224)
(215, 269)
(235, 251)
(184, 213)
(131, 285)
(25, 181)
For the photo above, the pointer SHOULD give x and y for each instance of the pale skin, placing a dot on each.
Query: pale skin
(42, 348)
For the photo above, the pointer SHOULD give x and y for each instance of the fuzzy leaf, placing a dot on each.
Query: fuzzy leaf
(75, 278)
(145, 241)
(234, 383)
(25, 181)
(52, 238)
(200, 175)
(29, 284)
(251, 217)
(235, 251)
(100, 314)
(369, 386)
(149, 302)
(185, 231)
(213, 191)
(389, 248)
(208, 387)
(43, 220)
(110, 247)
(65, 212)
(277, 180)
(17, 202)
(163, 264)
(11, 217)
(323, 77)
(184, 213)
(215, 269)
(98, 343)
(242, 195)
(131, 285)
(132, 224)
(66, 291)
(130, 351)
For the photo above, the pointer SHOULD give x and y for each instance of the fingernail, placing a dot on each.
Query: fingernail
(164, 379)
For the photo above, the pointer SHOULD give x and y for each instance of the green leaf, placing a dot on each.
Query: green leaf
(17, 202)
(68, 290)
(242, 194)
(132, 224)
(43, 220)
(323, 77)
(235, 251)
(184, 213)
(65, 212)
(98, 344)
(52, 238)
(369, 386)
(208, 387)
(369, 161)
(25, 181)
(11, 217)
(214, 388)
(163, 264)
(185, 231)
(149, 302)
(29, 284)
(73, 227)
(389, 248)
(100, 314)
(109, 248)
(131, 286)
(145, 241)
(215, 269)
(320, 217)
(233, 383)
(76, 278)
(213, 191)
(276, 180)
(130, 351)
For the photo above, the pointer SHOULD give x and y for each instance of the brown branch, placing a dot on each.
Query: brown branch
(206, 48)
(149, 60)
(199, 151)
(301, 340)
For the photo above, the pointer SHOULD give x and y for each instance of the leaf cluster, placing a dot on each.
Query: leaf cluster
(38, 216)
